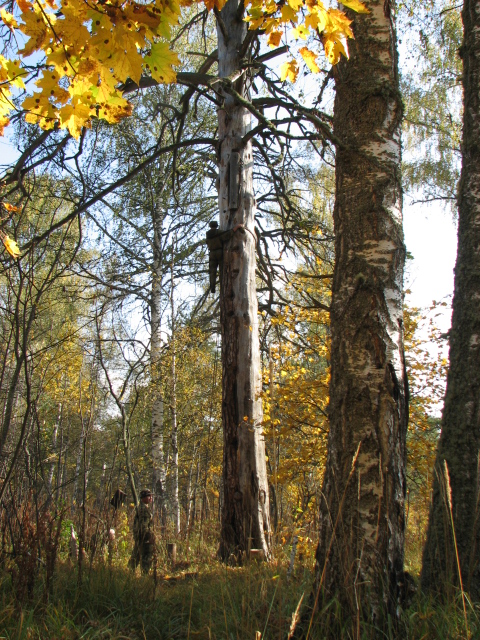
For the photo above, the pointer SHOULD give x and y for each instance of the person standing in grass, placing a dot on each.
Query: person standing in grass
(143, 535)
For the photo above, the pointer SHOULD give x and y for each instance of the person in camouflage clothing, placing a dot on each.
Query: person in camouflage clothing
(215, 240)
(143, 534)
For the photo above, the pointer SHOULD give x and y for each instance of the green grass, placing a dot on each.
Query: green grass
(209, 601)
(203, 600)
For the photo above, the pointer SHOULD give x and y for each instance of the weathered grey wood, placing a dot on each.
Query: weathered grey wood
(245, 510)
(234, 180)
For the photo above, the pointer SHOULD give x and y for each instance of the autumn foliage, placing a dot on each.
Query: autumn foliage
(77, 54)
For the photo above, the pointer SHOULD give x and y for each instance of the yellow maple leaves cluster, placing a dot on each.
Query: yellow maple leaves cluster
(302, 19)
(82, 51)
(87, 49)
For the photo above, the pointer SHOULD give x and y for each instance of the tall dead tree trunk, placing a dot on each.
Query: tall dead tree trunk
(157, 428)
(459, 444)
(245, 512)
(360, 553)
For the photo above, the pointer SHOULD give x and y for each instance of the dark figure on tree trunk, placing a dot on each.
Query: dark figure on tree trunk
(215, 241)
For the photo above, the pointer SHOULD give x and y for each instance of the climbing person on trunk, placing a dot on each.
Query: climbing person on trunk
(143, 535)
(215, 241)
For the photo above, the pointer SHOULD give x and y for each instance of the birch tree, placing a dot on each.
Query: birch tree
(360, 552)
(157, 430)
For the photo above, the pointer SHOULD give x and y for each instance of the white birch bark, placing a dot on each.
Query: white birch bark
(78, 464)
(157, 427)
(53, 464)
(361, 520)
(174, 434)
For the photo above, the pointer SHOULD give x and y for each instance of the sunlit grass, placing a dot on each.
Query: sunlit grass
(200, 598)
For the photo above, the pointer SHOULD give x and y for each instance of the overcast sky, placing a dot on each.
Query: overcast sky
(431, 237)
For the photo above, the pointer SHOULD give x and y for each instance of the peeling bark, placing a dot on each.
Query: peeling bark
(459, 443)
(245, 510)
(360, 553)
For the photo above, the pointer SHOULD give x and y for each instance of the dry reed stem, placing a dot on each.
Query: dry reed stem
(295, 618)
(450, 511)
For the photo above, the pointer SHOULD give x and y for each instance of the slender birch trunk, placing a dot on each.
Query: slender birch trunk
(54, 447)
(174, 434)
(58, 482)
(88, 469)
(459, 444)
(360, 553)
(245, 510)
(101, 491)
(78, 463)
(192, 493)
(157, 430)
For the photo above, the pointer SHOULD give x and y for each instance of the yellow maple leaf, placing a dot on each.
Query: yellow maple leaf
(115, 112)
(274, 38)
(4, 122)
(255, 23)
(317, 19)
(58, 58)
(355, 5)
(270, 6)
(126, 62)
(288, 14)
(10, 245)
(270, 24)
(35, 28)
(8, 19)
(40, 111)
(300, 32)
(160, 62)
(50, 87)
(289, 70)
(339, 23)
(74, 117)
(295, 4)
(334, 49)
(11, 73)
(310, 59)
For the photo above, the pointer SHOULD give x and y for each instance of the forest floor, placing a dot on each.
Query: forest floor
(197, 598)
